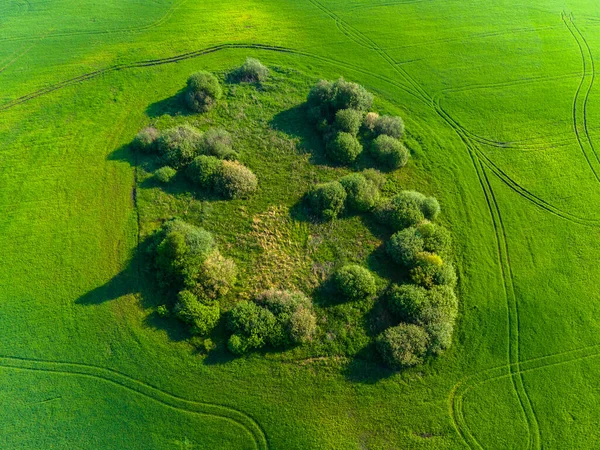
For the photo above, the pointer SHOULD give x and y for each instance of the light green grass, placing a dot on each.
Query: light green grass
(522, 371)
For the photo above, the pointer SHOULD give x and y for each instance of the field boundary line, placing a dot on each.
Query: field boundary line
(142, 388)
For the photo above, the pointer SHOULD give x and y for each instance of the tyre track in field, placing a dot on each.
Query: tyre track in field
(115, 378)
(578, 122)
(460, 389)
(176, 5)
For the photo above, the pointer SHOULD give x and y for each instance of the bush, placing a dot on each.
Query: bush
(431, 208)
(235, 180)
(354, 282)
(404, 246)
(403, 346)
(375, 176)
(401, 211)
(389, 126)
(319, 102)
(293, 312)
(179, 145)
(407, 300)
(203, 171)
(254, 326)
(343, 148)
(327, 199)
(427, 269)
(145, 140)
(215, 277)
(165, 174)
(436, 239)
(361, 194)
(437, 315)
(181, 249)
(347, 95)
(203, 91)
(370, 120)
(348, 121)
(217, 142)
(389, 152)
(252, 71)
(202, 317)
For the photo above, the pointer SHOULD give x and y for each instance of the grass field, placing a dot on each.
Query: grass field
(502, 105)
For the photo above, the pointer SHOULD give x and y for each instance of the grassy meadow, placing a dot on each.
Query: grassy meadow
(501, 109)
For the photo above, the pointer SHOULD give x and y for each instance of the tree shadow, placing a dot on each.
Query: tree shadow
(171, 106)
(366, 368)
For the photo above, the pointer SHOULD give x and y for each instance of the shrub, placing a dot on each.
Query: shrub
(370, 120)
(436, 239)
(293, 312)
(165, 174)
(203, 91)
(237, 345)
(401, 211)
(203, 171)
(179, 145)
(437, 315)
(163, 311)
(389, 152)
(180, 251)
(375, 176)
(145, 140)
(354, 282)
(347, 95)
(320, 94)
(406, 301)
(361, 194)
(327, 199)
(403, 346)
(235, 180)
(343, 148)
(202, 317)
(389, 126)
(215, 277)
(430, 208)
(217, 142)
(348, 121)
(252, 71)
(404, 246)
(427, 267)
(253, 326)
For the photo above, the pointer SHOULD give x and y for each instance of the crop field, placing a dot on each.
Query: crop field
(502, 113)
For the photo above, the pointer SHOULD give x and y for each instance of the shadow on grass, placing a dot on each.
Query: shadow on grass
(171, 106)
(366, 367)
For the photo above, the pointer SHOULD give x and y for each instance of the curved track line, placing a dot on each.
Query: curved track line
(144, 389)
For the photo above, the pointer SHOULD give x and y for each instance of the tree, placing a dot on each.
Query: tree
(202, 317)
(348, 121)
(354, 282)
(404, 246)
(204, 170)
(235, 180)
(401, 211)
(145, 140)
(361, 194)
(403, 346)
(343, 148)
(203, 91)
(216, 276)
(252, 324)
(165, 174)
(392, 126)
(347, 95)
(327, 199)
(407, 300)
(179, 145)
(252, 71)
(389, 152)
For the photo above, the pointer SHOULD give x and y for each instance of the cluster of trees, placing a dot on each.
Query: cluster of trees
(207, 159)
(280, 319)
(428, 306)
(192, 272)
(340, 112)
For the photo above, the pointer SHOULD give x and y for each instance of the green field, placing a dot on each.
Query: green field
(501, 104)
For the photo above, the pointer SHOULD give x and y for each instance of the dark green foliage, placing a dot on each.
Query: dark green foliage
(327, 199)
(235, 180)
(145, 140)
(430, 208)
(343, 148)
(217, 142)
(180, 251)
(406, 301)
(252, 327)
(437, 315)
(362, 194)
(403, 346)
(389, 152)
(203, 171)
(201, 317)
(354, 282)
(252, 71)
(390, 126)
(215, 277)
(405, 245)
(165, 174)
(348, 121)
(430, 270)
(178, 146)
(203, 91)
(348, 95)
(375, 176)
(401, 211)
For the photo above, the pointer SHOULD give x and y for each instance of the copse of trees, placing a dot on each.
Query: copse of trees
(186, 261)
(277, 318)
(202, 92)
(252, 71)
(354, 282)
